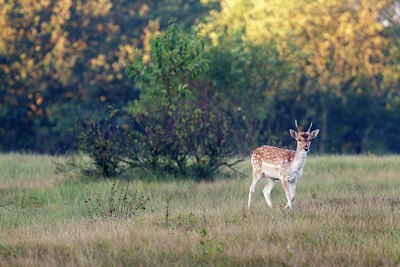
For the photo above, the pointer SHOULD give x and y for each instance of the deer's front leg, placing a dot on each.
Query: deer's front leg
(290, 191)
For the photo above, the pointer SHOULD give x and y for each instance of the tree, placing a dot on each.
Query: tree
(334, 49)
(60, 60)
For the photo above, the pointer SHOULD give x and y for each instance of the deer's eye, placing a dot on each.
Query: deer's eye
(298, 140)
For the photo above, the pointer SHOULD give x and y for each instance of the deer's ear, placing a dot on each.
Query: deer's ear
(293, 133)
(314, 134)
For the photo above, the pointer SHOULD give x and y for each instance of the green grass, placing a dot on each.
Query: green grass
(347, 212)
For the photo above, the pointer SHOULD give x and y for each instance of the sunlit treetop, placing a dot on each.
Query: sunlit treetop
(333, 41)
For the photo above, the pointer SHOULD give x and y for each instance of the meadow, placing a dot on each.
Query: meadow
(346, 213)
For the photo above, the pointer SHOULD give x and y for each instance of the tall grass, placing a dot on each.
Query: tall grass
(347, 212)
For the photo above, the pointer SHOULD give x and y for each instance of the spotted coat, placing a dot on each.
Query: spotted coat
(275, 164)
(272, 155)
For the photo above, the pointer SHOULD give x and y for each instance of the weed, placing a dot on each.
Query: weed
(209, 246)
(120, 204)
(186, 221)
(167, 212)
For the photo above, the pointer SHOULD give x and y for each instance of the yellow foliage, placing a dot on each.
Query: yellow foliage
(39, 100)
(96, 8)
(144, 9)
(343, 36)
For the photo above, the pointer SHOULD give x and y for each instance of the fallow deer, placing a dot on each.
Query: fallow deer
(273, 164)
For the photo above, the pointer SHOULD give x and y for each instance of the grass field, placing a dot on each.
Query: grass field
(346, 213)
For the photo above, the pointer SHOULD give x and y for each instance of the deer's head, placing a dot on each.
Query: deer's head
(303, 138)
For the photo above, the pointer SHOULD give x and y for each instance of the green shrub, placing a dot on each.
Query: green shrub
(106, 143)
(177, 133)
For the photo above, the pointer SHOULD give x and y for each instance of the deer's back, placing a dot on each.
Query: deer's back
(271, 155)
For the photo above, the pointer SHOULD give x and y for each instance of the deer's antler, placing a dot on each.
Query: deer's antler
(297, 127)
(309, 127)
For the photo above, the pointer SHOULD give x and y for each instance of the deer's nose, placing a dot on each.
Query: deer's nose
(306, 148)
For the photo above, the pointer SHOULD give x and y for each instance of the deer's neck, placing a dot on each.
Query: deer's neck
(299, 160)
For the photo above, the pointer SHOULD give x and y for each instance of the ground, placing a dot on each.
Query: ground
(347, 212)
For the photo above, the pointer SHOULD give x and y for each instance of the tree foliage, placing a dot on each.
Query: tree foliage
(269, 62)
(60, 60)
(334, 51)
(175, 59)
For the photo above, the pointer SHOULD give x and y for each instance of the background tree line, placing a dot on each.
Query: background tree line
(269, 62)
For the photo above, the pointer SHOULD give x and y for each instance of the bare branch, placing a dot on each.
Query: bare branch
(230, 166)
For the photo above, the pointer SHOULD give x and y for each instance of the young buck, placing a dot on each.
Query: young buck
(273, 164)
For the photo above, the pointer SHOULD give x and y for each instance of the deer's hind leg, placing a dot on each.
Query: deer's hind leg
(257, 174)
(267, 190)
